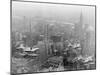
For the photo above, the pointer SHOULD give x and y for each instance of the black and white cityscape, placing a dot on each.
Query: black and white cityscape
(48, 37)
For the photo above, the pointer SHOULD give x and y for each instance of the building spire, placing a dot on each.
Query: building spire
(81, 18)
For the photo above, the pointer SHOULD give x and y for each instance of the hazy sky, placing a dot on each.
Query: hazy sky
(63, 12)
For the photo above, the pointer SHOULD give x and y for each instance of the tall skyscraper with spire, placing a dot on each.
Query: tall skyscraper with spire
(79, 27)
(81, 19)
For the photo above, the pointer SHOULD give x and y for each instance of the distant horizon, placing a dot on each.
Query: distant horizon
(55, 11)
